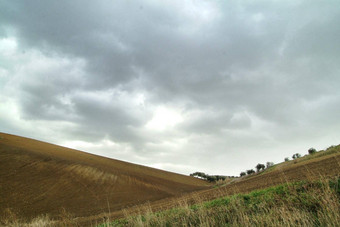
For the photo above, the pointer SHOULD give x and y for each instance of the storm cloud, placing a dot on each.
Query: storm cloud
(213, 86)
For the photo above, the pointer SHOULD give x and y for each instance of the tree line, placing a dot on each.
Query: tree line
(210, 178)
(259, 167)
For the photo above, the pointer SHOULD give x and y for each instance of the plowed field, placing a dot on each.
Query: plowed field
(40, 178)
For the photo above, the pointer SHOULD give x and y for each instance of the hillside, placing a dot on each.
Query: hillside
(323, 164)
(41, 178)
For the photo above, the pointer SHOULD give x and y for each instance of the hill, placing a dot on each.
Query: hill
(40, 178)
(321, 165)
(304, 203)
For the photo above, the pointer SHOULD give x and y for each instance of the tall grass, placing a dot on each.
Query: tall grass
(12, 219)
(306, 203)
(295, 204)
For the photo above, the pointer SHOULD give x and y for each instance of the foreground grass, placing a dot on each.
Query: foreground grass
(305, 203)
(294, 204)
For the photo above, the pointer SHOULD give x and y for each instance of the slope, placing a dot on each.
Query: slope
(322, 165)
(41, 178)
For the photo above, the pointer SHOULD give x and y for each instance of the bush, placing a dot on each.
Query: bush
(250, 171)
(286, 159)
(295, 156)
(259, 167)
(269, 164)
(242, 174)
(311, 150)
(211, 178)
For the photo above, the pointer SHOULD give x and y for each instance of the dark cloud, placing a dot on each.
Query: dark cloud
(221, 80)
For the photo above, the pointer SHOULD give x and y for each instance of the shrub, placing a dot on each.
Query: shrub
(211, 178)
(259, 167)
(250, 171)
(269, 164)
(311, 150)
(295, 156)
(242, 174)
(286, 159)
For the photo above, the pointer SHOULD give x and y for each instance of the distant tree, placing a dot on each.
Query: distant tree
(211, 178)
(242, 174)
(259, 167)
(286, 159)
(295, 156)
(250, 171)
(208, 177)
(198, 174)
(219, 177)
(269, 164)
(311, 150)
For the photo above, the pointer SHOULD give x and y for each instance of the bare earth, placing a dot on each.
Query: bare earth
(40, 178)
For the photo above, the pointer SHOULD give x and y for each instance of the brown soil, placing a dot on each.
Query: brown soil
(40, 178)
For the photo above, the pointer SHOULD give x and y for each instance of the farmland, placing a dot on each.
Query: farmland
(40, 179)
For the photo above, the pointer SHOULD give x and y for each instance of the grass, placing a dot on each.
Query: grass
(329, 151)
(305, 203)
(11, 219)
(40, 178)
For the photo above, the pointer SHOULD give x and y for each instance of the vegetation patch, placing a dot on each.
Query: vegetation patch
(305, 203)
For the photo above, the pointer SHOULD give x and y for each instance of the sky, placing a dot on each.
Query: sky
(184, 86)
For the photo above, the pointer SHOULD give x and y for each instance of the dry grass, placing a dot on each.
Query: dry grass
(307, 203)
(91, 173)
(11, 219)
(37, 178)
(298, 204)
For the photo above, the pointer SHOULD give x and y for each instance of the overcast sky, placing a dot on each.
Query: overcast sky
(185, 86)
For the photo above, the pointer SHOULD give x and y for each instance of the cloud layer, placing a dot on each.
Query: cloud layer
(188, 86)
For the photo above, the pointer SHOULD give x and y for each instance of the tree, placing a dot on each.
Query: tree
(242, 174)
(208, 177)
(259, 167)
(211, 178)
(286, 159)
(199, 174)
(269, 164)
(250, 171)
(295, 156)
(219, 177)
(311, 150)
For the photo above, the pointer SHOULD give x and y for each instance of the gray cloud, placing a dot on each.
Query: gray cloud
(237, 81)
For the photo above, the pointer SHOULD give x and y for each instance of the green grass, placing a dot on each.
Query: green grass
(293, 204)
(318, 154)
